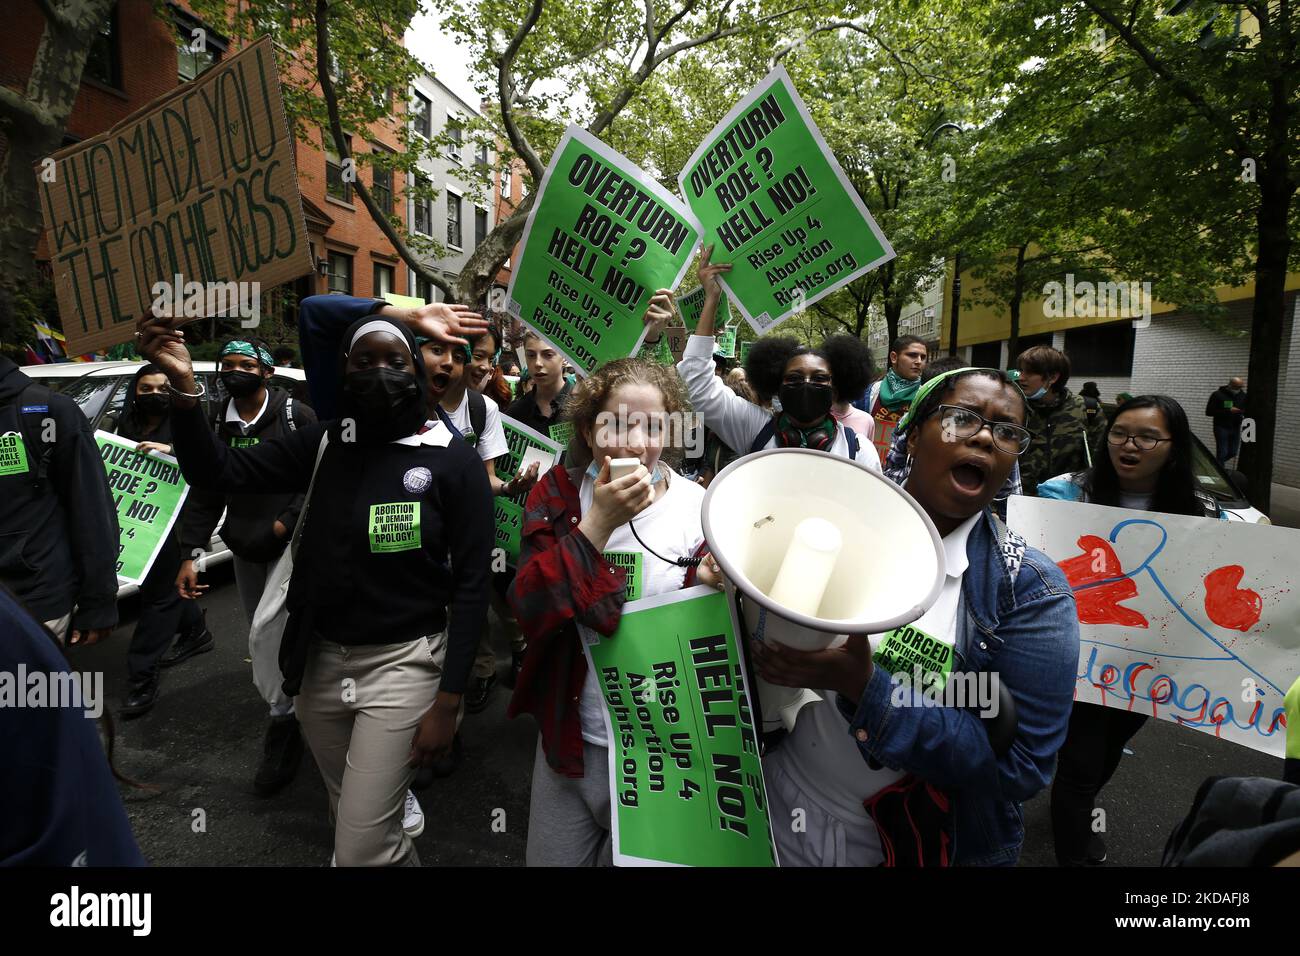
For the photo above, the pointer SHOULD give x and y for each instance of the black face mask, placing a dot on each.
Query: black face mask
(153, 404)
(806, 402)
(377, 394)
(241, 384)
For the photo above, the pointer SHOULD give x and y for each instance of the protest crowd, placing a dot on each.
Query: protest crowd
(418, 494)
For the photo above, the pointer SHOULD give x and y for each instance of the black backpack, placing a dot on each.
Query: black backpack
(33, 408)
(477, 414)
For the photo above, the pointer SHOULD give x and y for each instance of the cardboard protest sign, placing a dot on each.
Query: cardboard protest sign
(676, 337)
(691, 305)
(148, 491)
(685, 778)
(526, 445)
(775, 204)
(1191, 620)
(601, 237)
(191, 201)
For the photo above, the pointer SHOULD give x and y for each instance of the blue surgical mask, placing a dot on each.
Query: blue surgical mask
(1042, 390)
(593, 472)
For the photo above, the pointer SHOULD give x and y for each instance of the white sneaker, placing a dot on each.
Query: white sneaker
(412, 817)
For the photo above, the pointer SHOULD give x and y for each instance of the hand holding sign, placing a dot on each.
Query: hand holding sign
(441, 321)
(164, 345)
(709, 273)
(659, 313)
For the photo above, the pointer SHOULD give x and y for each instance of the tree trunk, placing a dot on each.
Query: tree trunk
(34, 124)
(1266, 330)
(481, 269)
(1017, 294)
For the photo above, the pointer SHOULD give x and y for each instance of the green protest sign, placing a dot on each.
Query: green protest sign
(744, 350)
(686, 781)
(148, 491)
(525, 445)
(775, 204)
(561, 433)
(601, 237)
(660, 352)
(691, 305)
(725, 344)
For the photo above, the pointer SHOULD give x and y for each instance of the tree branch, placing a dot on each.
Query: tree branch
(341, 145)
(505, 67)
(1216, 118)
(56, 16)
(24, 111)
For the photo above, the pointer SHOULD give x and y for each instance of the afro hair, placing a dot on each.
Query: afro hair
(850, 360)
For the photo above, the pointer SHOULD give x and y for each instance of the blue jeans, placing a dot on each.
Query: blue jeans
(1227, 441)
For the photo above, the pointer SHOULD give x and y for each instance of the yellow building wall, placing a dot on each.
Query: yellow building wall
(992, 323)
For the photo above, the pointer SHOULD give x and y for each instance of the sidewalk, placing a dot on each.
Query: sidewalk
(1286, 506)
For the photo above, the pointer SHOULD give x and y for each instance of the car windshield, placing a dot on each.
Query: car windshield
(1209, 476)
(90, 392)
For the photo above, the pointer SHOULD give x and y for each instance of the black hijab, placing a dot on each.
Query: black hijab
(130, 423)
(391, 429)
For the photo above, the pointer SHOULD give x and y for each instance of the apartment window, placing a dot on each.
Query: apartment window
(336, 184)
(1101, 350)
(340, 273)
(505, 184)
(480, 226)
(384, 279)
(381, 187)
(483, 155)
(456, 133)
(453, 220)
(423, 289)
(422, 111)
(423, 209)
(104, 62)
(197, 47)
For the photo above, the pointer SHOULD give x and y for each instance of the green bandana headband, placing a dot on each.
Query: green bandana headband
(930, 386)
(240, 347)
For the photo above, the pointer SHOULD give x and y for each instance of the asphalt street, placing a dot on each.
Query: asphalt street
(198, 750)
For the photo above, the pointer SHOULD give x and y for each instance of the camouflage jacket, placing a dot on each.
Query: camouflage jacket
(1065, 440)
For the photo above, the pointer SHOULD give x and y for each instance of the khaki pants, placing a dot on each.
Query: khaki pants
(60, 627)
(358, 708)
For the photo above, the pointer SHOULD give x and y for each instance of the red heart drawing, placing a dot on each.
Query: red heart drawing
(1227, 605)
(1101, 604)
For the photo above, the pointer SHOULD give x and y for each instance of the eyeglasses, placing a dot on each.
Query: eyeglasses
(1141, 442)
(959, 423)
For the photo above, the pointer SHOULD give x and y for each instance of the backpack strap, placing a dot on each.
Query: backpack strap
(35, 401)
(477, 413)
(851, 438)
(286, 413)
(763, 437)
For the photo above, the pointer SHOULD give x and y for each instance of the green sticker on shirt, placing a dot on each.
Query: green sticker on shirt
(394, 527)
(13, 454)
(246, 441)
(629, 561)
(561, 432)
(907, 648)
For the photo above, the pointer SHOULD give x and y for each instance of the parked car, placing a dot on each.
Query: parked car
(99, 389)
(1227, 487)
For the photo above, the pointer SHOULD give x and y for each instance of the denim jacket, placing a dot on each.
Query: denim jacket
(1017, 619)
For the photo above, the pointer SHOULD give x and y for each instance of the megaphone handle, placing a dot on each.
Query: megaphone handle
(766, 741)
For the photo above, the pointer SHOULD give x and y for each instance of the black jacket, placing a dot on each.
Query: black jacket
(525, 411)
(1220, 406)
(58, 534)
(250, 518)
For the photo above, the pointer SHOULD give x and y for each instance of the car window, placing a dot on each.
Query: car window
(1209, 476)
(113, 407)
(90, 393)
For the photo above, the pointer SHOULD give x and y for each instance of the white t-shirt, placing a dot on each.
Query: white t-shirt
(492, 443)
(1137, 502)
(736, 421)
(671, 525)
(820, 754)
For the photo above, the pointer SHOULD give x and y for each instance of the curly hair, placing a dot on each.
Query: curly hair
(850, 360)
(590, 396)
(766, 362)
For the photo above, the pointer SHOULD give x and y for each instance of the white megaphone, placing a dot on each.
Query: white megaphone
(818, 546)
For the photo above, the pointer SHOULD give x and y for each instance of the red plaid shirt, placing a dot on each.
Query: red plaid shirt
(562, 581)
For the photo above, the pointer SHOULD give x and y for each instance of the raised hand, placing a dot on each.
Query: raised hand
(446, 322)
(708, 273)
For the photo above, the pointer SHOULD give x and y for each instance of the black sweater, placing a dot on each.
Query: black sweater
(394, 536)
(58, 536)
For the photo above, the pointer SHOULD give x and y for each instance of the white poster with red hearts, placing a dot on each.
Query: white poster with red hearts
(1191, 620)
